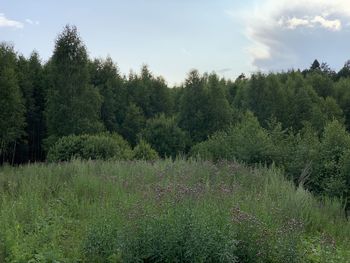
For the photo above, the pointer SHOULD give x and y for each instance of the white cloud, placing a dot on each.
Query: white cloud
(31, 22)
(329, 24)
(294, 22)
(5, 22)
(284, 33)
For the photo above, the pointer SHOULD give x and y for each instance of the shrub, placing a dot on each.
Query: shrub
(97, 147)
(302, 154)
(246, 141)
(327, 175)
(165, 136)
(144, 151)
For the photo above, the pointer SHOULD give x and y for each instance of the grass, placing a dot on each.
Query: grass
(181, 211)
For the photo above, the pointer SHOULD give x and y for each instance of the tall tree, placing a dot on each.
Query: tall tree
(342, 96)
(133, 123)
(345, 71)
(30, 75)
(193, 109)
(315, 65)
(149, 93)
(219, 114)
(12, 120)
(105, 76)
(73, 105)
(322, 83)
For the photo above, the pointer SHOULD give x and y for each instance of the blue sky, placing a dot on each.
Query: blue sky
(174, 36)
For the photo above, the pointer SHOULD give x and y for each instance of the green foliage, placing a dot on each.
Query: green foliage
(204, 107)
(342, 96)
(165, 136)
(328, 176)
(179, 235)
(219, 113)
(96, 147)
(321, 83)
(31, 83)
(73, 106)
(247, 141)
(164, 211)
(320, 164)
(105, 77)
(144, 151)
(12, 110)
(192, 116)
(76, 96)
(133, 123)
(266, 98)
(302, 155)
(149, 93)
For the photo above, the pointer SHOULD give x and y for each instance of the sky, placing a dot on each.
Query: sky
(174, 36)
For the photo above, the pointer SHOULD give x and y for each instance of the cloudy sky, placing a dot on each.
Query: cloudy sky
(174, 36)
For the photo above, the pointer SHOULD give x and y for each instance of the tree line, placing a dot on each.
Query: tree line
(72, 94)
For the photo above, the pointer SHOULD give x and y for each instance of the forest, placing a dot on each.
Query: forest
(286, 131)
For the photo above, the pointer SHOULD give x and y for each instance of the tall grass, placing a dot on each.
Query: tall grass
(181, 211)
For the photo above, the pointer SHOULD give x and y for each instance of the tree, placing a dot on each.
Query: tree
(105, 77)
(246, 141)
(265, 97)
(327, 175)
(219, 112)
(31, 81)
(12, 110)
(321, 83)
(165, 136)
(193, 109)
(73, 106)
(345, 71)
(133, 123)
(326, 70)
(149, 93)
(315, 65)
(342, 96)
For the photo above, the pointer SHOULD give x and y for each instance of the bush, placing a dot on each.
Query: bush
(301, 154)
(327, 175)
(246, 141)
(320, 164)
(144, 151)
(96, 147)
(165, 136)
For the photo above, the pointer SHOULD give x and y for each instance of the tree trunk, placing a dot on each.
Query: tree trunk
(14, 152)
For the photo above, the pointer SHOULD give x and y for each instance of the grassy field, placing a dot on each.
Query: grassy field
(182, 211)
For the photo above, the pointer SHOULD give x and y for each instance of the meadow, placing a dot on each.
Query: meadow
(164, 211)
